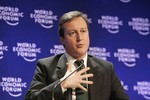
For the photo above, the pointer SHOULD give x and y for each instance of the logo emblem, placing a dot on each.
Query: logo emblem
(44, 17)
(11, 15)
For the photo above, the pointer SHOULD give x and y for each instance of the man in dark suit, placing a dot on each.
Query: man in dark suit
(97, 81)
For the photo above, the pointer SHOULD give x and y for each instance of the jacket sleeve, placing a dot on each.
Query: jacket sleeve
(40, 88)
(117, 90)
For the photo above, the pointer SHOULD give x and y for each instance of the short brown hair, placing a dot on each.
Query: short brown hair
(69, 16)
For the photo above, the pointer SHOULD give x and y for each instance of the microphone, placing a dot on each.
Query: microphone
(53, 93)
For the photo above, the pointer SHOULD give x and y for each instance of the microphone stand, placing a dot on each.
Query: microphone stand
(69, 94)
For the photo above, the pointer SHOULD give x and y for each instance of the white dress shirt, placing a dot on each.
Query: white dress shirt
(71, 61)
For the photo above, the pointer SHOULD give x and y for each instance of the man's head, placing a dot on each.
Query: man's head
(68, 17)
(74, 33)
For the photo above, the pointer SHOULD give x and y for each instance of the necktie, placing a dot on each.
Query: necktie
(68, 94)
(80, 94)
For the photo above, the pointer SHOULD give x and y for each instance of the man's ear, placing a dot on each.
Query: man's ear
(62, 40)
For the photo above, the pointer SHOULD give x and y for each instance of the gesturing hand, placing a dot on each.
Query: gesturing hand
(77, 79)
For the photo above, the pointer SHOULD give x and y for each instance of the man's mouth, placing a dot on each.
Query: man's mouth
(80, 45)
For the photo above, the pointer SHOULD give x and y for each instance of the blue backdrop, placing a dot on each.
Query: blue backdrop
(119, 31)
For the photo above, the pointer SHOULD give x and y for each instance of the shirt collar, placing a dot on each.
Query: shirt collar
(71, 60)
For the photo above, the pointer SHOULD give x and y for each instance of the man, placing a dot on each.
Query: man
(99, 82)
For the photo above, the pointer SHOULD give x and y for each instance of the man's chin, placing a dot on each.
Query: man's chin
(80, 54)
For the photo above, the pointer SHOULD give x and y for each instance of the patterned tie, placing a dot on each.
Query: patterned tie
(68, 94)
(80, 94)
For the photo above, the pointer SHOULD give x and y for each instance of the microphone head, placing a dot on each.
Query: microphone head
(82, 61)
(79, 62)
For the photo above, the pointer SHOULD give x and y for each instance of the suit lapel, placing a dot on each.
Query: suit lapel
(61, 66)
(95, 90)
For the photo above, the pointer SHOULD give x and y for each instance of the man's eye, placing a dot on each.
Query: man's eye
(83, 31)
(72, 33)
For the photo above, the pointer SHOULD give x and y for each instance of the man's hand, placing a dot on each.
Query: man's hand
(77, 79)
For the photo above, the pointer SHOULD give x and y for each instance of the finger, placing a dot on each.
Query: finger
(82, 88)
(68, 67)
(86, 82)
(84, 70)
(86, 75)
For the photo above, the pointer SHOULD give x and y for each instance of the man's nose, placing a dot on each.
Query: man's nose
(79, 36)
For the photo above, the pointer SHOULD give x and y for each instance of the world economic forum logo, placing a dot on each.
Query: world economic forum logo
(125, 1)
(57, 49)
(2, 49)
(127, 56)
(111, 23)
(141, 25)
(148, 55)
(13, 85)
(44, 17)
(26, 50)
(124, 86)
(11, 15)
(143, 88)
(99, 52)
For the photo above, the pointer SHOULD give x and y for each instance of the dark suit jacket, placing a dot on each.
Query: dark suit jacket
(106, 85)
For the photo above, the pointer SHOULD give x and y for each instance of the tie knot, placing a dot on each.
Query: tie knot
(79, 62)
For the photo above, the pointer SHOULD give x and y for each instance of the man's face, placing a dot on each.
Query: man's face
(76, 37)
